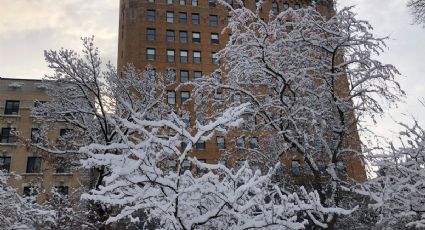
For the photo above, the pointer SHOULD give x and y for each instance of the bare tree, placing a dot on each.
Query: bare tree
(417, 8)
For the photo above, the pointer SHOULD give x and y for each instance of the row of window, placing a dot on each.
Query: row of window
(33, 165)
(211, 3)
(182, 17)
(12, 106)
(296, 168)
(6, 135)
(183, 36)
(183, 56)
(33, 191)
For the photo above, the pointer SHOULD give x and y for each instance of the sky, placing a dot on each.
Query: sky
(28, 27)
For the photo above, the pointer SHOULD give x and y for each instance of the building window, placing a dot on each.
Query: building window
(30, 191)
(213, 20)
(237, 98)
(253, 143)
(220, 143)
(184, 76)
(151, 15)
(34, 165)
(171, 75)
(214, 58)
(183, 56)
(275, 8)
(340, 167)
(172, 165)
(186, 165)
(150, 54)
(170, 16)
(194, 2)
(170, 55)
(170, 35)
(182, 2)
(35, 135)
(62, 190)
(184, 96)
(5, 164)
(230, 2)
(64, 132)
(7, 136)
(200, 145)
(183, 36)
(240, 142)
(169, 2)
(11, 108)
(196, 57)
(197, 75)
(195, 19)
(182, 17)
(63, 169)
(285, 6)
(214, 38)
(212, 3)
(151, 1)
(171, 97)
(150, 34)
(196, 37)
(295, 167)
(297, 6)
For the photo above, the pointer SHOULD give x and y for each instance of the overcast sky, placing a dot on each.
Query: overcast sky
(28, 27)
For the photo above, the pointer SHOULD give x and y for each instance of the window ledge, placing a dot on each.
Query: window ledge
(32, 174)
(62, 174)
(8, 144)
(10, 115)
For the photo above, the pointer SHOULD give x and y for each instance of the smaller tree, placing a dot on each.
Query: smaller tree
(417, 8)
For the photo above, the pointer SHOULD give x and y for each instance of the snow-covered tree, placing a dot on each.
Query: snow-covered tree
(417, 8)
(311, 81)
(398, 190)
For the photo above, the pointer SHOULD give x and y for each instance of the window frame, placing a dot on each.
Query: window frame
(197, 57)
(215, 40)
(168, 33)
(197, 19)
(150, 56)
(184, 59)
(185, 98)
(220, 144)
(182, 17)
(34, 165)
(149, 35)
(11, 107)
(171, 97)
(149, 16)
(213, 22)
(171, 55)
(182, 38)
(6, 136)
(181, 76)
(169, 16)
(5, 162)
(196, 39)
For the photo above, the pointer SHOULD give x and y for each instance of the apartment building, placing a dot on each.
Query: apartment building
(182, 38)
(38, 174)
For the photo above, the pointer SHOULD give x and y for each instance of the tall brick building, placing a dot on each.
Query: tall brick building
(183, 37)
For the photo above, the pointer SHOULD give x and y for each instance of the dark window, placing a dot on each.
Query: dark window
(214, 38)
(34, 165)
(212, 3)
(285, 6)
(182, 17)
(171, 97)
(183, 56)
(63, 169)
(340, 167)
(296, 167)
(151, 15)
(30, 191)
(183, 36)
(253, 143)
(196, 37)
(170, 55)
(170, 35)
(197, 75)
(184, 76)
(150, 54)
(182, 2)
(7, 136)
(220, 142)
(5, 163)
(195, 19)
(170, 16)
(62, 190)
(194, 2)
(11, 108)
(184, 96)
(213, 20)
(196, 57)
(63, 132)
(214, 58)
(35, 135)
(275, 7)
(240, 142)
(150, 34)
(200, 145)
(186, 165)
(297, 6)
